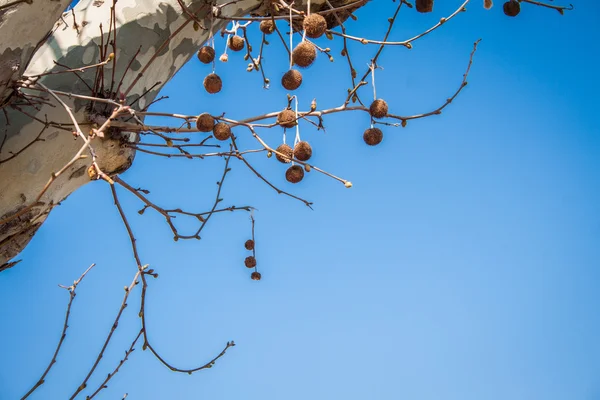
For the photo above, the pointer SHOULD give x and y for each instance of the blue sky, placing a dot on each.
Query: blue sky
(463, 264)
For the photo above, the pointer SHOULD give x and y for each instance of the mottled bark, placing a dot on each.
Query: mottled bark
(24, 26)
(75, 42)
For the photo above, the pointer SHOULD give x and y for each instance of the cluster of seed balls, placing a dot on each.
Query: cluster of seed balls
(206, 123)
(511, 7)
(250, 261)
(303, 55)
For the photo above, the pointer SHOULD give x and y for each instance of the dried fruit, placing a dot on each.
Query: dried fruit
(373, 136)
(287, 152)
(287, 118)
(250, 262)
(205, 122)
(249, 245)
(292, 79)
(236, 43)
(314, 26)
(424, 6)
(512, 8)
(255, 276)
(206, 54)
(267, 26)
(294, 174)
(222, 131)
(487, 4)
(378, 109)
(302, 151)
(213, 83)
(304, 54)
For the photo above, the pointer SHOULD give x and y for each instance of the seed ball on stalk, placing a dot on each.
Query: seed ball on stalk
(512, 8)
(314, 25)
(424, 6)
(378, 109)
(294, 174)
(250, 262)
(206, 54)
(304, 54)
(213, 83)
(302, 151)
(255, 276)
(249, 245)
(292, 79)
(205, 122)
(222, 131)
(287, 152)
(236, 43)
(287, 118)
(373, 136)
(267, 26)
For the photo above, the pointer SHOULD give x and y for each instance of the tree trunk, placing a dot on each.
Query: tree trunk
(155, 38)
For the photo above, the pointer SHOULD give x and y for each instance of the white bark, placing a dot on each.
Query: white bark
(143, 24)
(24, 27)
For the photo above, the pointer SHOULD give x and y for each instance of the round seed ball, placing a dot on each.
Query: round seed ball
(206, 54)
(249, 245)
(292, 79)
(512, 8)
(213, 83)
(302, 151)
(378, 109)
(255, 276)
(205, 122)
(294, 174)
(267, 26)
(314, 26)
(286, 151)
(222, 131)
(304, 54)
(373, 136)
(287, 118)
(250, 262)
(424, 6)
(236, 43)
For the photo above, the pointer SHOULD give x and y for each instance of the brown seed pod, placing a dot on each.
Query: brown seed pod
(373, 136)
(314, 25)
(255, 276)
(222, 131)
(213, 83)
(205, 122)
(286, 151)
(206, 54)
(512, 8)
(304, 54)
(236, 43)
(378, 109)
(287, 118)
(294, 174)
(250, 262)
(302, 151)
(292, 79)
(424, 6)
(249, 245)
(267, 26)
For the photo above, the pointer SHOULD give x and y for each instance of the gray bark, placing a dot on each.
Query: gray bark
(74, 41)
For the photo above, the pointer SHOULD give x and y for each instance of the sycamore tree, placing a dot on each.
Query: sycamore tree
(78, 81)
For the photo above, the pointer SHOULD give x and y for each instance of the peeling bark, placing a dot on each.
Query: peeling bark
(24, 26)
(43, 134)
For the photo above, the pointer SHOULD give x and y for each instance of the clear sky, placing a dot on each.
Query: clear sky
(463, 264)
